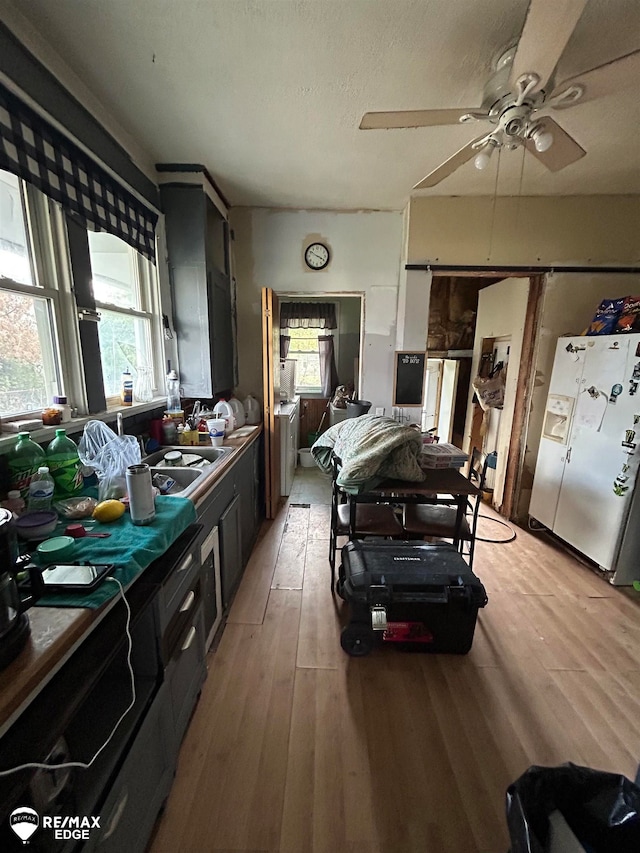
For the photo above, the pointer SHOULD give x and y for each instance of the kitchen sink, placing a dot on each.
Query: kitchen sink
(211, 454)
(185, 479)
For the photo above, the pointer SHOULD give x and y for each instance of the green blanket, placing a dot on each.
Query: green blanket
(130, 547)
(371, 449)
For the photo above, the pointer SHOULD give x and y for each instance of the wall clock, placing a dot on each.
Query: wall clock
(316, 256)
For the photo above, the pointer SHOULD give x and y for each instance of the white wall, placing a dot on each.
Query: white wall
(570, 301)
(502, 310)
(366, 259)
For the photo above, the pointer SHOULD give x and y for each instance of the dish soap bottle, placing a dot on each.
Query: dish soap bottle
(24, 460)
(64, 465)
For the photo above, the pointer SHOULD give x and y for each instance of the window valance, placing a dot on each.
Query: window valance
(41, 155)
(308, 315)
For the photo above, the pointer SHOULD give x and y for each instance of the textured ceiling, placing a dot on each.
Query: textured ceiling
(268, 94)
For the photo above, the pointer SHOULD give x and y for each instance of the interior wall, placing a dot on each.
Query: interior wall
(502, 310)
(570, 301)
(578, 230)
(366, 259)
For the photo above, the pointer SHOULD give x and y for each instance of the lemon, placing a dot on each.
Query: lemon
(108, 510)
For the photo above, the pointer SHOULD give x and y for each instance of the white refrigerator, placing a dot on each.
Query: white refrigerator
(585, 477)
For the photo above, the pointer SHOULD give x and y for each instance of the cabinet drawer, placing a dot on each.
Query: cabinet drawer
(186, 672)
(177, 586)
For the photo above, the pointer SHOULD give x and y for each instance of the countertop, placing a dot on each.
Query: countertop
(285, 410)
(56, 632)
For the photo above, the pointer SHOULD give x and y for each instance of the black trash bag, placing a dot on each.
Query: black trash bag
(601, 809)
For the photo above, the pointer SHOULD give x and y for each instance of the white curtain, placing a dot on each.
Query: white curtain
(328, 370)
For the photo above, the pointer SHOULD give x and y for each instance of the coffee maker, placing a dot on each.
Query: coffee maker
(14, 622)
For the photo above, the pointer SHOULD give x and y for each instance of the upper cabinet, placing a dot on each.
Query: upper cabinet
(198, 248)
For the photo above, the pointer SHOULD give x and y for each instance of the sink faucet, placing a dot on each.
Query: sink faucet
(119, 423)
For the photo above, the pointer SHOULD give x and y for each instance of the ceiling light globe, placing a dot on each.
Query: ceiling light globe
(543, 141)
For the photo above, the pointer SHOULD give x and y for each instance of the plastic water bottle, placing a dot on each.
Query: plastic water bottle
(41, 490)
(64, 465)
(173, 392)
(24, 460)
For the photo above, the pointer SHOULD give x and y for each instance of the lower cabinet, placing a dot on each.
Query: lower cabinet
(185, 674)
(230, 550)
(234, 509)
(137, 795)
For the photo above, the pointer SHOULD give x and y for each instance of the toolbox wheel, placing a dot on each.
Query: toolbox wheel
(340, 588)
(357, 640)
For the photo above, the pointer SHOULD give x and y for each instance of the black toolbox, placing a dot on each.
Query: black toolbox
(422, 596)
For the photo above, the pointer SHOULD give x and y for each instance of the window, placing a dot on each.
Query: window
(124, 291)
(303, 347)
(30, 369)
(41, 346)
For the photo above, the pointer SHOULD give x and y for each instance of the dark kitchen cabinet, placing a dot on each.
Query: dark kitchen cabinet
(234, 509)
(230, 550)
(197, 244)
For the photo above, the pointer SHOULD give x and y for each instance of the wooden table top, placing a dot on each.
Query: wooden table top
(446, 481)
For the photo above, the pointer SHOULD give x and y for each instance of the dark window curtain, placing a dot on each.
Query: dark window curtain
(38, 153)
(308, 315)
(328, 371)
(285, 342)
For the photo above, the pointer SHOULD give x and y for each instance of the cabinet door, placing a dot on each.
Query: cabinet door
(141, 787)
(221, 330)
(201, 292)
(185, 674)
(246, 487)
(230, 550)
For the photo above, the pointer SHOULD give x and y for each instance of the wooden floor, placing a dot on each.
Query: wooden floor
(296, 747)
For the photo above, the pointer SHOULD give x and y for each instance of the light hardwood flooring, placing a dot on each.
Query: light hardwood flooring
(296, 747)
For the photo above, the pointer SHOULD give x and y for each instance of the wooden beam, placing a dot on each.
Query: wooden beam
(524, 390)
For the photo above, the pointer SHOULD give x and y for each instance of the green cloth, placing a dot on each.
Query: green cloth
(130, 547)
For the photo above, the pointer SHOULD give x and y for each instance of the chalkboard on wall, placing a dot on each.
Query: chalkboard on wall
(408, 386)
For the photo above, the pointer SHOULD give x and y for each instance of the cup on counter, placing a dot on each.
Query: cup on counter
(216, 425)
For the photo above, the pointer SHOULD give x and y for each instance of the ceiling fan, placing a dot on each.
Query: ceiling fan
(521, 87)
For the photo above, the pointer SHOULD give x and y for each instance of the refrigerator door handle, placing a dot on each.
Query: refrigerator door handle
(569, 455)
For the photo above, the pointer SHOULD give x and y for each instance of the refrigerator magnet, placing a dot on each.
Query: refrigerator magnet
(633, 387)
(615, 392)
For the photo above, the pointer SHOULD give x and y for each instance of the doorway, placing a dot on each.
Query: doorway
(470, 316)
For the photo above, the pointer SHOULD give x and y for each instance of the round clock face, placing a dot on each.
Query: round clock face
(316, 256)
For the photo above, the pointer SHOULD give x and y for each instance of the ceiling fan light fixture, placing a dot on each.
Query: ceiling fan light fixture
(542, 139)
(481, 160)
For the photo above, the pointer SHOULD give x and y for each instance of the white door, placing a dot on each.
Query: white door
(448, 390)
(431, 394)
(563, 390)
(589, 514)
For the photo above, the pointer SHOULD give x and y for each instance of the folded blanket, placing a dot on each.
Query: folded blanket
(371, 449)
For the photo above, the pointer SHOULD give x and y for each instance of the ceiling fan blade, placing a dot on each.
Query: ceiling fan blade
(414, 118)
(563, 152)
(603, 80)
(547, 29)
(449, 166)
